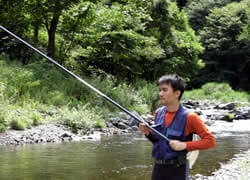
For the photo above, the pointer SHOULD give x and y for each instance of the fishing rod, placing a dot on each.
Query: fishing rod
(86, 84)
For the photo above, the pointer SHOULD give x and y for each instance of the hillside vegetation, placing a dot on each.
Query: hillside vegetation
(40, 93)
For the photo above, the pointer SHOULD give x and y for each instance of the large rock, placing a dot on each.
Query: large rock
(227, 106)
(122, 126)
(244, 114)
(191, 104)
(115, 121)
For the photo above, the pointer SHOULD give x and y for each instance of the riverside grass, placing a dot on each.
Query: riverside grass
(38, 93)
(53, 95)
(220, 92)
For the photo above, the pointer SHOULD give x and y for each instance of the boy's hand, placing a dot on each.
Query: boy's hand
(144, 129)
(177, 145)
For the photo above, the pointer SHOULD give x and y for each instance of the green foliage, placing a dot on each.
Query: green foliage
(36, 119)
(100, 124)
(123, 93)
(221, 92)
(55, 88)
(194, 94)
(80, 118)
(3, 123)
(142, 108)
(2, 88)
(56, 98)
(112, 35)
(245, 35)
(229, 116)
(107, 42)
(181, 46)
(226, 52)
(199, 9)
(121, 35)
(36, 82)
(149, 93)
(17, 124)
(31, 109)
(212, 87)
(132, 39)
(12, 16)
(229, 21)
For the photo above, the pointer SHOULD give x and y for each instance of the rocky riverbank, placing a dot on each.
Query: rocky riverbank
(58, 133)
(47, 133)
(238, 168)
(120, 124)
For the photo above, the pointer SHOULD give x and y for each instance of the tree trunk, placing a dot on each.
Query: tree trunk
(36, 32)
(52, 36)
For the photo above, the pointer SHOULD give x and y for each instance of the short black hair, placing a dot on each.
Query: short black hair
(176, 82)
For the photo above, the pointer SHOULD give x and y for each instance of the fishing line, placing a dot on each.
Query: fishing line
(138, 119)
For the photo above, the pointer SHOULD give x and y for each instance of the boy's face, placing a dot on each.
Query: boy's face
(167, 95)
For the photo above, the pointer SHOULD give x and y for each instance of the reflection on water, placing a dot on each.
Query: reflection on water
(126, 157)
(226, 147)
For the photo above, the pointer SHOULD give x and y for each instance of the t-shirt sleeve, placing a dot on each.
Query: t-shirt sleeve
(196, 126)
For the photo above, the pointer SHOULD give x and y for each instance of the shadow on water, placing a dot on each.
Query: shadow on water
(126, 157)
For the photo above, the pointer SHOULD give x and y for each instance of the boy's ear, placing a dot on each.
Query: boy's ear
(178, 93)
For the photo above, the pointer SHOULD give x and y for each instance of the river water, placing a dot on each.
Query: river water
(124, 157)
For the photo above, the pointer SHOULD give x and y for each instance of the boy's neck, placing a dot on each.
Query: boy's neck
(173, 107)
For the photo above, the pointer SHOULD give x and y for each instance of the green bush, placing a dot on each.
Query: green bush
(3, 123)
(2, 89)
(142, 108)
(217, 92)
(100, 124)
(230, 116)
(79, 118)
(3, 128)
(56, 98)
(212, 87)
(149, 94)
(45, 84)
(17, 124)
(36, 119)
(194, 94)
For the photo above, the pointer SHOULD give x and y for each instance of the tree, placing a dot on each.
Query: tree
(48, 13)
(198, 10)
(110, 37)
(181, 46)
(130, 40)
(13, 18)
(227, 56)
(245, 35)
(127, 38)
(24, 14)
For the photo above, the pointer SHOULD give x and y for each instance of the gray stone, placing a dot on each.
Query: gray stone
(122, 126)
(135, 128)
(228, 106)
(115, 121)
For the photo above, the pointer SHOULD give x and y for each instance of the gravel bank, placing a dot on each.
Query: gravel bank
(238, 168)
(46, 133)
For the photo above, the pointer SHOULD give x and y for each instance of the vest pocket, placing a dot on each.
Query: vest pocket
(175, 135)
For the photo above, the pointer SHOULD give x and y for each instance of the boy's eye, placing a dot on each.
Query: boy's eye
(165, 89)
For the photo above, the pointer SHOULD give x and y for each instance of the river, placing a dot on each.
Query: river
(124, 157)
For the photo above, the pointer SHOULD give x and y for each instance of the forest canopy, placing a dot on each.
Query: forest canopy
(203, 40)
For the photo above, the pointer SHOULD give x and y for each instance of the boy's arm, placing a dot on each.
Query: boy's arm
(196, 125)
